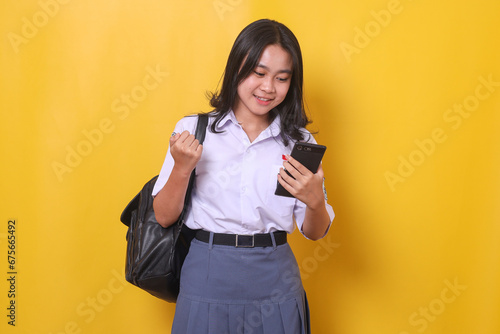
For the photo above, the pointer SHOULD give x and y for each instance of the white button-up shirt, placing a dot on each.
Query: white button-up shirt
(236, 179)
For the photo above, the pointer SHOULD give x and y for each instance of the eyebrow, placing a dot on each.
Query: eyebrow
(280, 71)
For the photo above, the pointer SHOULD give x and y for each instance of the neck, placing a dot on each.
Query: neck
(252, 120)
(253, 126)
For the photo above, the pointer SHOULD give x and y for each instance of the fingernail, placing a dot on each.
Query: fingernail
(283, 157)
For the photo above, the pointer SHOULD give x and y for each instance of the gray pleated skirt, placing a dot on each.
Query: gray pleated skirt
(228, 290)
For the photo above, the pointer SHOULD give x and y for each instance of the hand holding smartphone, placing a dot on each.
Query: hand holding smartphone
(307, 154)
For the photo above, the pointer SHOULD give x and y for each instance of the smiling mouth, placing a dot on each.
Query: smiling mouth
(262, 99)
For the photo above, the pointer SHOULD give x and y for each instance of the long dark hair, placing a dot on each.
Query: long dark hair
(248, 48)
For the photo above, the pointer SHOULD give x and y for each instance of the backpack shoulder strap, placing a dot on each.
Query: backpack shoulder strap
(201, 127)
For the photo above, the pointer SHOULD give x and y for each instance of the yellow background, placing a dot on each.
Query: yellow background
(415, 245)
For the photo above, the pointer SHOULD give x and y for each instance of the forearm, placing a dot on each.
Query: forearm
(316, 222)
(169, 201)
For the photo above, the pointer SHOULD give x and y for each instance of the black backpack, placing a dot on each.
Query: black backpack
(155, 254)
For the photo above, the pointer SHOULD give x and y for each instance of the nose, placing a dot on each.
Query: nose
(267, 85)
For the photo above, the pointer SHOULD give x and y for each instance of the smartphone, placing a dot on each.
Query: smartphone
(307, 154)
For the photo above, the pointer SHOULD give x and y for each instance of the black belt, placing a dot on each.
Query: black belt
(239, 240)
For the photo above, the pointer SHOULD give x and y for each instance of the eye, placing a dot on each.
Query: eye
(259, 74)
(283, 79)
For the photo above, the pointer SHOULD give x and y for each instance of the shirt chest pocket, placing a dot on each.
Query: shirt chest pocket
(281, 205)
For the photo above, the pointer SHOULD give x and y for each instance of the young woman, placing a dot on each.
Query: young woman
(240, 275)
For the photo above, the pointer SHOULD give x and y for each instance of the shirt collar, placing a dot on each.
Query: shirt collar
(229, 117)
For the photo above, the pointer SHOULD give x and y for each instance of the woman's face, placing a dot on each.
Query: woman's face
(266, 87)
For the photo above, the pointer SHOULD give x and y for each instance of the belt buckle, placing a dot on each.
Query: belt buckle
(238, 245)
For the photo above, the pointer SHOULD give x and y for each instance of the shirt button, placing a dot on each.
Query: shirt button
(243, 189)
